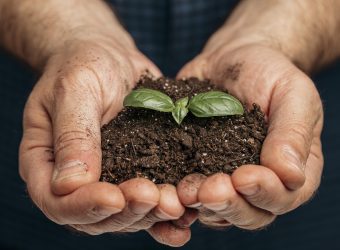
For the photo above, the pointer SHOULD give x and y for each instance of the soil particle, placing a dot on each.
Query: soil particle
(150, 144)
(233, 71)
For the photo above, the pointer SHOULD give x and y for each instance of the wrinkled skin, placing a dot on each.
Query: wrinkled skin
(82, 88)
(59, 117)
(291, 157)
(90, 69)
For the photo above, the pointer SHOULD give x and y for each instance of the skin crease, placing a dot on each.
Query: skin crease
(65, 102)
(258, 69)
(87, 70)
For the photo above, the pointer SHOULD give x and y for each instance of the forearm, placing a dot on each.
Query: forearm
(35, 29)
(306, 31)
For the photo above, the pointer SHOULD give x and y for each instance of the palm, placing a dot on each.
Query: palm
(291, 153)
(82, 88)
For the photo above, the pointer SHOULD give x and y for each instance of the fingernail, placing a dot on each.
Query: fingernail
(292, 158)
(218, 206)
(105, 211)
(163, 215)
(249, 190)
(141, 207)
(70, 169)
(195, 205)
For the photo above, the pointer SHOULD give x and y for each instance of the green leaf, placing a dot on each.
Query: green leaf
(180, 110)
(150, 99)
(215, 103)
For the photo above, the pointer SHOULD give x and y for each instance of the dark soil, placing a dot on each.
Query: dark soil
(150, 144)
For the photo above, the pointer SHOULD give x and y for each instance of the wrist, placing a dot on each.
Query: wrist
(86, 34)
(35, 31)
(103, 37)
(304, 33)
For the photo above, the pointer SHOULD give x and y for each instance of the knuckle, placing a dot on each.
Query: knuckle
(113, 224)
(231, 200)
(211, 219)
(263, 197)
(302, 133)
(96, 212)
(232, 210)
(270, 202)
(284, 208)
(67, 139)
(72, 78)
(147, 222)
(63, 85)
(205, 213)
(297, 135)
(77, 81)
(230, 203)
(258, 223)
(233, 215)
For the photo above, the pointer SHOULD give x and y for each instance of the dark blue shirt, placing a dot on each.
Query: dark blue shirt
(171, 32)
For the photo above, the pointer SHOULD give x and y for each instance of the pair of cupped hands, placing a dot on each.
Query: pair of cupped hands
(83, 86)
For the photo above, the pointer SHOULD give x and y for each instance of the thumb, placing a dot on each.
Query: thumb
(168, 234)
(143, 64)
(295, 118)
(195, 68)
(76, 115)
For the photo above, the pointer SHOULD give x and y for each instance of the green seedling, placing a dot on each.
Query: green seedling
(207, 104)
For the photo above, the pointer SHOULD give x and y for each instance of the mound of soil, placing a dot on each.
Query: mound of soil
(150, 144)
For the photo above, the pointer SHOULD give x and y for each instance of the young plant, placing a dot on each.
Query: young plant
(207, 104)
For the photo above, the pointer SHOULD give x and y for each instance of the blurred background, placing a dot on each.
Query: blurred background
(23, 226)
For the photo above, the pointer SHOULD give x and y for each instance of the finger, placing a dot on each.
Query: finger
(168, 234)
(89, 204)
(194, 68)
(168, 208)
(292, 120)
(289, 115)
(187, 219)
(262, 188)
(217, 194)
(187, 190)
(143, 64)
(141, 195)
(212, 219)
(76, 114)
(165, 233)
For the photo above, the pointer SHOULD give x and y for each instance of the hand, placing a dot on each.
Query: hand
(291, 157)
(82, 88)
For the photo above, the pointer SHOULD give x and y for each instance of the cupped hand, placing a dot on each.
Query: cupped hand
(291, 157)
(82, 88)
